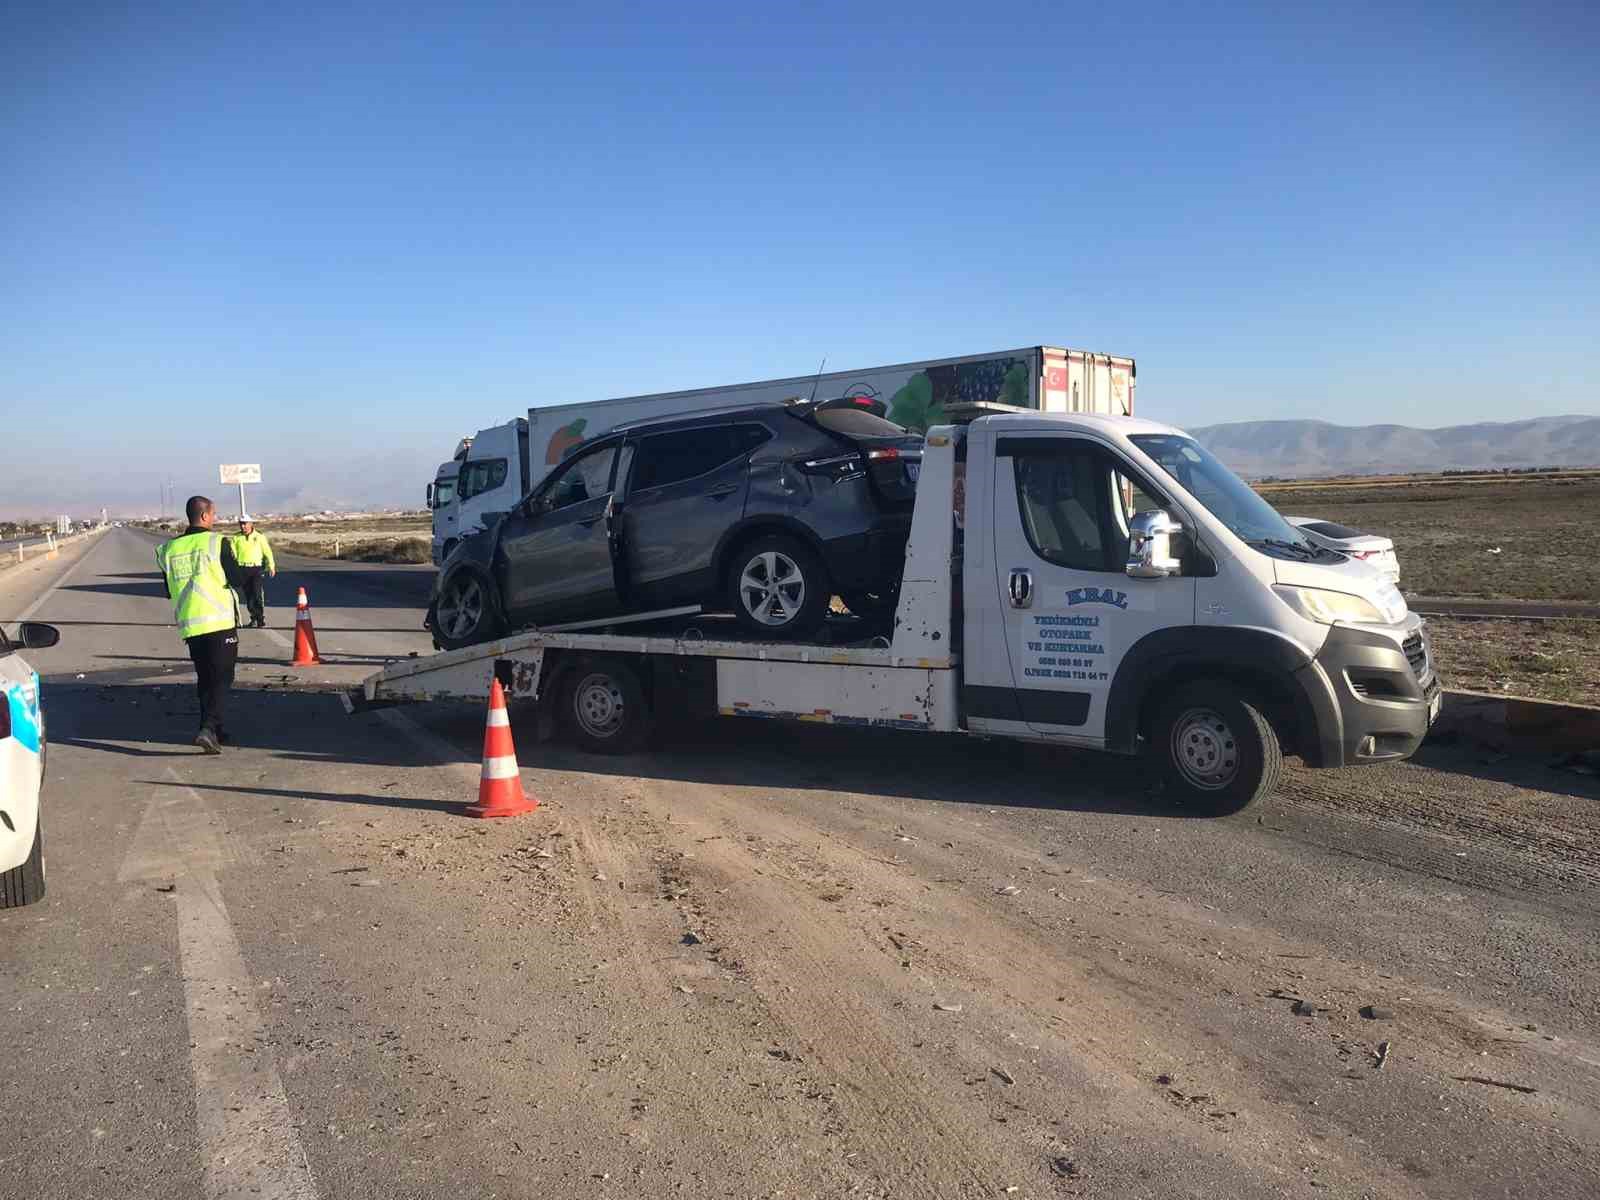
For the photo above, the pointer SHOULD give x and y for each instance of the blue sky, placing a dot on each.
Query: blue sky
(336, 238)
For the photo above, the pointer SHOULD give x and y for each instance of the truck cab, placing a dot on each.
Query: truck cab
(493, 475)
(1124, 588)
(441, 496)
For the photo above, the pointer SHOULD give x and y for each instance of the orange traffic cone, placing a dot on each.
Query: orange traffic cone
(305, 637)
(500, 791)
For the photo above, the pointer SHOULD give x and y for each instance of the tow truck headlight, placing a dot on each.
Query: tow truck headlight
(1325, 607)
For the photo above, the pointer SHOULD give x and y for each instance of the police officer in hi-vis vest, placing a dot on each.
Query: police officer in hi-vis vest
(200, 570)
(253, 553)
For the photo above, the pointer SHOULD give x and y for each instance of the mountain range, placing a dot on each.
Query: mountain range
(1292, 449)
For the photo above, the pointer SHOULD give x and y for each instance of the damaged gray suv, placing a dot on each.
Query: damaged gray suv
(766, 512)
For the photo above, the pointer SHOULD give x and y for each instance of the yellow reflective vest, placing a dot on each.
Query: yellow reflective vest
(201, 598)
(252, 549)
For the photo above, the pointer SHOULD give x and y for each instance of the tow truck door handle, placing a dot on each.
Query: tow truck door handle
(1021, 588)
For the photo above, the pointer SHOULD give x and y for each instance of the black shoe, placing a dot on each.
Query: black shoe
(207, 741)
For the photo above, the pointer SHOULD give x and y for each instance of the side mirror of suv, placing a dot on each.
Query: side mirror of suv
(1150, 537)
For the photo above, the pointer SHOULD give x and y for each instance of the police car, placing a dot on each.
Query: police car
(21, 767)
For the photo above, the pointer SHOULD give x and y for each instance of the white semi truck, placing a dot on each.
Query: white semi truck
(505, 462)
(441, 497)
(1093, 581)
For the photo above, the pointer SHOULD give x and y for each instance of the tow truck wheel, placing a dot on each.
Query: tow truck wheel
(1217, 751)
(603, 707)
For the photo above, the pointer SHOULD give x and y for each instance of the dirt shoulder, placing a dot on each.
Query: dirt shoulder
(1545, 660)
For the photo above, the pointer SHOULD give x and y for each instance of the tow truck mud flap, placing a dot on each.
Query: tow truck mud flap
(835, 694)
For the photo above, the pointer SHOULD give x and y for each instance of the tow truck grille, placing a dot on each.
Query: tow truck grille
(1416, 654)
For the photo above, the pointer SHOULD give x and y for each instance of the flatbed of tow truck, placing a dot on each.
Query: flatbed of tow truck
(907, 680)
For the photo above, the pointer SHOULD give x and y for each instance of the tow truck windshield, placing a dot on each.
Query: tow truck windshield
(1230, 499)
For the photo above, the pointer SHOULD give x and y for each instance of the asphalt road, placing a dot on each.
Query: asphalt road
(756, 962)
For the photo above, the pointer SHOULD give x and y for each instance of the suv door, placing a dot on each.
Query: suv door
(687, 487)
(554, 557)
(1061, 506)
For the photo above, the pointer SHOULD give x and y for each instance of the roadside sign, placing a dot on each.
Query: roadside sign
(241, 473)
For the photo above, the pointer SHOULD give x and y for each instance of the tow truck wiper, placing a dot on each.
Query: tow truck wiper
(1309, 552)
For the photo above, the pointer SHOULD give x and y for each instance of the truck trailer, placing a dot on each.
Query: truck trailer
(505, 462)
(1093, 581)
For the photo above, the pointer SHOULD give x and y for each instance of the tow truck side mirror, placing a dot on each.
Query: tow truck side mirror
(1150, 554)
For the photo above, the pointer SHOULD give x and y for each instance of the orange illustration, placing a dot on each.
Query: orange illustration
(564, 439)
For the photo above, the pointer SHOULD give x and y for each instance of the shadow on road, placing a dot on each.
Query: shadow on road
(279, 659)
(132, 586)
(419, 803)
(129, 751)
(150, 720)
(953, 768)
(946, 768)
(1465, 757)
(284, 629)
(348, 586)
(156, 720)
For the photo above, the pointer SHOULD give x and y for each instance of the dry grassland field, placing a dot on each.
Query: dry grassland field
(1445, 530)
(362, 537)
(1519, 537)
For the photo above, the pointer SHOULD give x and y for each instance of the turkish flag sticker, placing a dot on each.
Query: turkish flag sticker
(1055, 379)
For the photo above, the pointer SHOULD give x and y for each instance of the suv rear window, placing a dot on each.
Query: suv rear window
(853, 422)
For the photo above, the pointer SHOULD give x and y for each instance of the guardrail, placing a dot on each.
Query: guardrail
(46, 547)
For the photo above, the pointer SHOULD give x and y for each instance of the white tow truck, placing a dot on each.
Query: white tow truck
(1085, 580)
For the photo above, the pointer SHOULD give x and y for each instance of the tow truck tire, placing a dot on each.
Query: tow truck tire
(603, 707)
(1217, 752)
(25, 884)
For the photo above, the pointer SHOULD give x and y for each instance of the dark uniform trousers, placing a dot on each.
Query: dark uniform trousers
(214, 656)
(253, 583)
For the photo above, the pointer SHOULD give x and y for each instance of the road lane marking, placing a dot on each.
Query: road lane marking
(176, 835)
(448, 755)
(248, 1143)
(27, 613)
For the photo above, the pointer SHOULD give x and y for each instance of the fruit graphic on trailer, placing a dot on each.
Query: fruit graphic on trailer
(564, 439)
